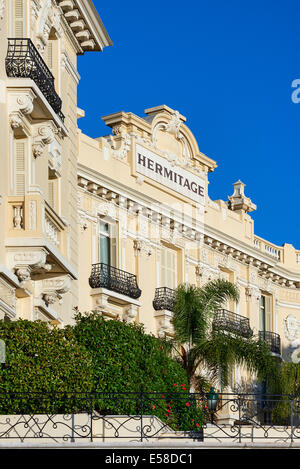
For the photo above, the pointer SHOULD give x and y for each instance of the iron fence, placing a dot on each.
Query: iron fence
(225, 320)
(145, 416)
(23, 60)
(107, 276)
(164, 299)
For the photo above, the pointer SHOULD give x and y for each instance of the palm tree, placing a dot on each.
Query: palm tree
(202, 347)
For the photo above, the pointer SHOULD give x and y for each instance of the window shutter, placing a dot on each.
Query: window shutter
(19, 20)
(168, 268)
(20, 176)
(51, 193)
(268, 312)
(49, 56)
(227, 304)
(113, 245)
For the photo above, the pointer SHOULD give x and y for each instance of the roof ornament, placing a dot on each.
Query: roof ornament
(238, 200)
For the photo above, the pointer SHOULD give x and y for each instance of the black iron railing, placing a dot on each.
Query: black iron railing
(24, 61)
(164, 299)
(225, 320)
(272, 340)
(119, 281)
(145, 416)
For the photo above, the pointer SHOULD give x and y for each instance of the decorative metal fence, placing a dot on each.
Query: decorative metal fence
(23, 60)
(164, 299)
(106, 276)
(141, 417)
(225, 320)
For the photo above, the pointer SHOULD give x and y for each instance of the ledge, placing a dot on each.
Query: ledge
(44, 110)
(117, 297)
(43, 243)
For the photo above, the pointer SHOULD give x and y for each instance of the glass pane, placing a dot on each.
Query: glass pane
(104, 228)
(104, 250)
(262, 319)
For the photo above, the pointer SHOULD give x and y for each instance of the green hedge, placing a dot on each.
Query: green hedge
(126, 360)
(40, 360)
(124, 357)
(98, 356)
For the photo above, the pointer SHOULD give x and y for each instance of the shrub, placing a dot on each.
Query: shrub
(40, 361)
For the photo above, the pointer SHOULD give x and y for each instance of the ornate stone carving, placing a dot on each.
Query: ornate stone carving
(252, 293)
(23, 273)
(173, 127)
(28, 262)
(130, 313)
(2, 9)
(50, 298)
(46, 136)
(121, 153)
(295, 356)
(7, 294)
(291, 328)
(238, 200)
(25, 102)
(15, 120)
(141, 245)
(164, 323)
(18, 216)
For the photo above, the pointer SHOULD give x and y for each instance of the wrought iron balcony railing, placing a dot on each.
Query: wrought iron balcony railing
(164, 299)
(227, 321)
(111, 278)
(272, 340)
(24, 61)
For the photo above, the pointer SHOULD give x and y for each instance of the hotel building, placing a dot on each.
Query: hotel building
(114, 224)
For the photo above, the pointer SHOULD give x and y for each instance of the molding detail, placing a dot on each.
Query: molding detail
(142, 246)
(291, 328)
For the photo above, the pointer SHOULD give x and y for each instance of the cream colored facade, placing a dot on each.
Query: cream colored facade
(114, 224)
(39, 44)
(168, 232)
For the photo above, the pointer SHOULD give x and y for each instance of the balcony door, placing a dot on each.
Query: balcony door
(107, 245)
(266, 313)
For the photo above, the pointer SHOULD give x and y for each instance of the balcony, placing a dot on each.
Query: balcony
(24, 61)
(272, 340)
(164, 299)
(111, 278)
(234, 323)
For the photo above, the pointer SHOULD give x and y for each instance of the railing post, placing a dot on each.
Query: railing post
(292, 419)
(141, 411)
(91, 414)
(240, 427)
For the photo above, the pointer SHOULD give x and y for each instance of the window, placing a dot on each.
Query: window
(107, 246)
(168, 268)
(266, 313)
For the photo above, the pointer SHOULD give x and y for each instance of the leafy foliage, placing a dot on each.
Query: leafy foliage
(40, 360)
(124, 357)
(284, 390)
(215, 351)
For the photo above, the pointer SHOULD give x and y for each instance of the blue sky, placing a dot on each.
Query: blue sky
(229, 68)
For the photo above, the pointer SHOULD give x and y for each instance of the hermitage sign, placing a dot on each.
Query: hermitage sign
(162, 171)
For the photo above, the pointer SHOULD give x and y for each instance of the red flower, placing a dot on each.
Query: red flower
(197, 425)
(188, 404)
(174, 384)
